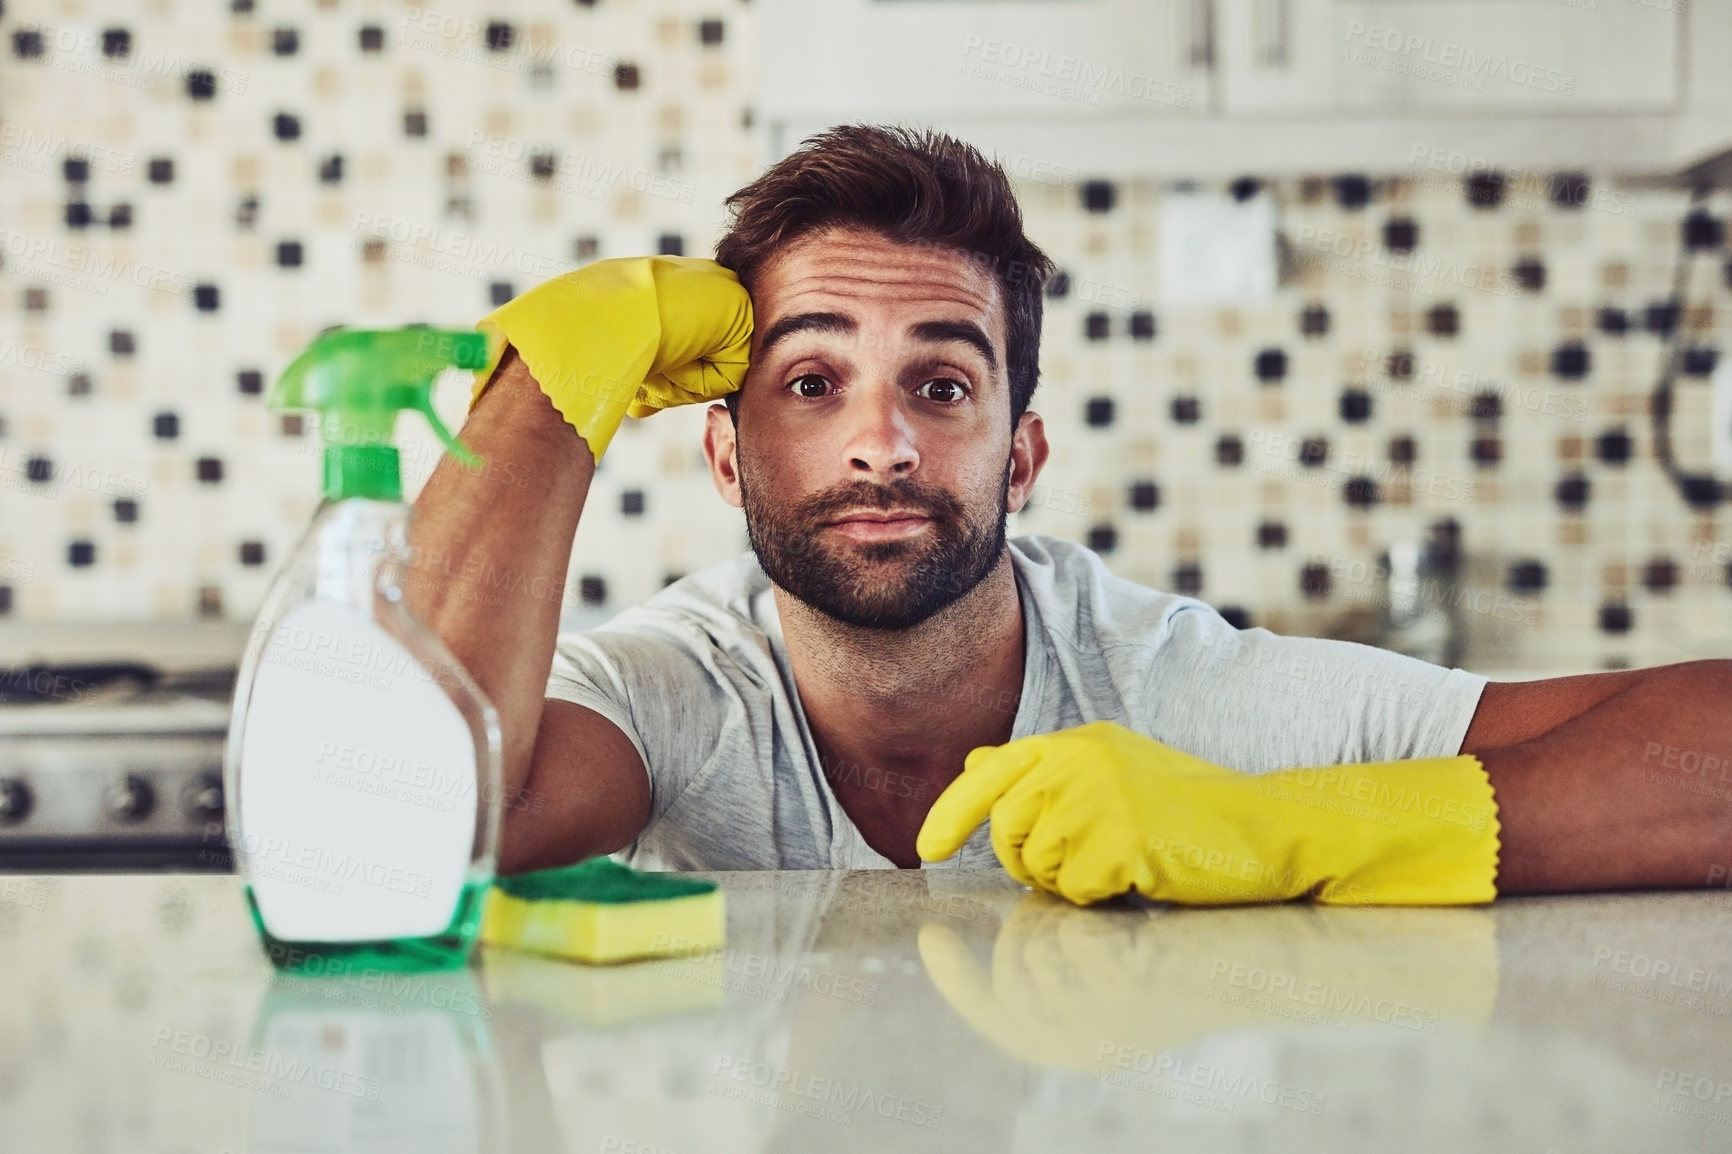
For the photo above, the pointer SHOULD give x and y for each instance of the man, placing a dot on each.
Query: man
(804, 705)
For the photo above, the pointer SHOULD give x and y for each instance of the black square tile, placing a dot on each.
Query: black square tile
(1443, 320)
(372, 38)
(1485, 189)
(1527, 577)
(81, 554)
(1360, 492)
(1401, 234)
(1099, 195)
(710, 32)
(209, 470)
(285, 41)
(1571, 361)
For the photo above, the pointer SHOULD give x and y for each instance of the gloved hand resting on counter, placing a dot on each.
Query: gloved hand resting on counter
(626, 337)
(1097, 810)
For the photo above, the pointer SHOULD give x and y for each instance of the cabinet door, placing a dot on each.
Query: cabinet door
(1381, 57)
(1053, 60)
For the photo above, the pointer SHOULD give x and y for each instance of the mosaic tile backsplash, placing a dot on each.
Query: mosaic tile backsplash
(1460, 363)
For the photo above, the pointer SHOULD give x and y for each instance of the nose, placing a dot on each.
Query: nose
(880, 437)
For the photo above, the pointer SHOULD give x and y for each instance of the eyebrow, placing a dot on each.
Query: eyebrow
(935, 332)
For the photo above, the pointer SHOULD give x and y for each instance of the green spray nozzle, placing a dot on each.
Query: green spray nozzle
(359, 380)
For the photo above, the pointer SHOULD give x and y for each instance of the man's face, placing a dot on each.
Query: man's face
(874, 455)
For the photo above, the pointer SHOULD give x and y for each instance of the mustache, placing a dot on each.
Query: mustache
(931, 502)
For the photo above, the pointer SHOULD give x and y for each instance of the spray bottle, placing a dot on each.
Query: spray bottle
(363, 762)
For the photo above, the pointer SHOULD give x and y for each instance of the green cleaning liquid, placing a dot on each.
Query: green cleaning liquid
(363, 762)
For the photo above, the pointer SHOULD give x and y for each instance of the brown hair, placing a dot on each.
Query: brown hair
(912, 187)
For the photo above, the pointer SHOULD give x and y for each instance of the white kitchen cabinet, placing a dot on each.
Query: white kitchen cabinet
(1044, 60)
(1359, 58)
(1201, 88)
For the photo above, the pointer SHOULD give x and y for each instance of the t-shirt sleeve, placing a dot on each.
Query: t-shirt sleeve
(660, 688)
(1258, 702)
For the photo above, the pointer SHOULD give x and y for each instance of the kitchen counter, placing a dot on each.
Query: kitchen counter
(883, 1010)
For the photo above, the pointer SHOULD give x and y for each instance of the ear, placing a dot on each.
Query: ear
(720, 450)
(1028, 452)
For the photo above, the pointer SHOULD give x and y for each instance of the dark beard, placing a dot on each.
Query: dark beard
(880, 584)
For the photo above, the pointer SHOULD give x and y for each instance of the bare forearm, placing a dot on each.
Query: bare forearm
(492, 549)
(1635, 792)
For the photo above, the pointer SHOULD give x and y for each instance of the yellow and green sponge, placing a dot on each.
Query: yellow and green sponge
(601, 910)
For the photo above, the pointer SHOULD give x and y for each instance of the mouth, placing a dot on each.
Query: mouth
(880, 524)
(880, 517)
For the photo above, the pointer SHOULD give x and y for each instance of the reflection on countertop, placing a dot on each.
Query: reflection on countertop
(883, 1010)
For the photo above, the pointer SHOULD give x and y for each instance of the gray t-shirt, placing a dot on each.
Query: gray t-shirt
(698, 678)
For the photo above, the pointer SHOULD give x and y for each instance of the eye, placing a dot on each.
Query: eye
(803, 384)
(945, 390)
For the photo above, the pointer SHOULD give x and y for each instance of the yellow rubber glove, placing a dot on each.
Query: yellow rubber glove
(1097, 810)
(626, 337)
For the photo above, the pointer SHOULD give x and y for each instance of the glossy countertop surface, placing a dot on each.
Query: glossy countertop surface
(877, 1011)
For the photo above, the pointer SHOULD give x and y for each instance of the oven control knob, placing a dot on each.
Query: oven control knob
(131, 798)
(204, 797)
(15, 801)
